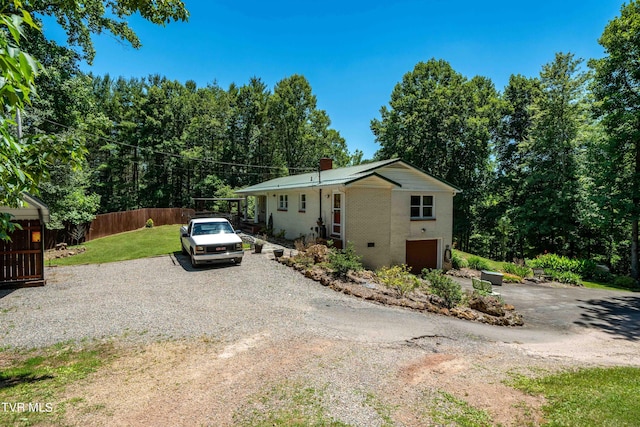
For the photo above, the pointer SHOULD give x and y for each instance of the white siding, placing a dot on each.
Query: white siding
(294, 222)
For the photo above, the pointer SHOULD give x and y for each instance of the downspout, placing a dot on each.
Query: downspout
(321, 228)
(320, 189)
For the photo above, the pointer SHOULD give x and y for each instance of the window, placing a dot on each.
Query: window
(302, 205)
(422, 207)
(283, 203)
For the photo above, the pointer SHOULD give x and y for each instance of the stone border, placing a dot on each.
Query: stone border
(481, 309)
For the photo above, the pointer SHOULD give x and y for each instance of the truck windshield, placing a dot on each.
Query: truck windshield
(212, 228)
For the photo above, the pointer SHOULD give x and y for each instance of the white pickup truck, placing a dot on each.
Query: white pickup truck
(208, 240)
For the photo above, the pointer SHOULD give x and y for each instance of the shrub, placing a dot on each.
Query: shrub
(565, 277)
(624, 282)
(149, 223)
(583, 267)
(602, 276)
(444, 287)
(457, 261)
(319, 253)
(478, 263)
(518, 270)
(344, 260)
(399, 278)
(511, 278)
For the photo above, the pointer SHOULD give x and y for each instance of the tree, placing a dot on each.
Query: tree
(443, 123)
(549, 191)
(66, 194)
(616, 89)
(25, 161)
(499, 212)
(82, 18)
(300, 131)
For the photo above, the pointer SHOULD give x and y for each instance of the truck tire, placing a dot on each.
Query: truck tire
(184, 251)
(194, 263)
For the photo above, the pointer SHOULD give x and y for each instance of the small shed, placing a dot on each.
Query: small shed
(22, 258)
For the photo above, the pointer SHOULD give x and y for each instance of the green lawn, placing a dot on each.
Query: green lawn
(588, 397)
(143, 243)
(40, 377)
(494, 265)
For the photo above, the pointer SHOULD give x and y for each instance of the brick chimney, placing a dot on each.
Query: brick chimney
(326, 164)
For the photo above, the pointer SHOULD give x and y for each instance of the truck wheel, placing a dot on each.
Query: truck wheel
(194, 263)
(184, 251)
(238, 261)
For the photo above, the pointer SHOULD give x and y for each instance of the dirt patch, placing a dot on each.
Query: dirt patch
(477, 382)
(184, 383)
(201, 382)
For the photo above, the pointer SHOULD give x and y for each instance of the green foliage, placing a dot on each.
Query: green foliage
(149, 223)
(449, 410)
(444, 287)
(602, 276)
(300, 130)
(518, 270)
(458, 261)
(549, 157)
(625, 282)
(81, 19)
(6, 226)
(478, 263)
(398, 277)
(511, 278)
(442, 122)
(582, 267)
(593, 397)
(42, 376)
(344, 260)
(565, 277)
(287, 404)
(615, 89)
(68, 198)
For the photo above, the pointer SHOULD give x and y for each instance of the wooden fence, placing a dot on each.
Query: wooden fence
(118, 222)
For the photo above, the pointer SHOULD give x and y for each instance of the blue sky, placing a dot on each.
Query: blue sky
(354, 52)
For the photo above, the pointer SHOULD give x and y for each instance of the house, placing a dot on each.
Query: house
(22, 258)
(393, 212)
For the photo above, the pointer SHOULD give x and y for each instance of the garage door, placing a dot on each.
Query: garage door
(422, 254)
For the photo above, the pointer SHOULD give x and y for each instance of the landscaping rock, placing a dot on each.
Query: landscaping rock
(487, 305)
(363, 285)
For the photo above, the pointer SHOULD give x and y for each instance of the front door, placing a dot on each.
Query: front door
(337, 215)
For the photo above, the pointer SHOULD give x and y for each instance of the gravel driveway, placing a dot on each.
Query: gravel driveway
(228, 332)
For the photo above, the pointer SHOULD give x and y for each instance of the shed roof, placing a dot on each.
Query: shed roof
(32, 208)
(339, 176)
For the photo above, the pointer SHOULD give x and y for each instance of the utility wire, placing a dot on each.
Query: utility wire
(180, 156)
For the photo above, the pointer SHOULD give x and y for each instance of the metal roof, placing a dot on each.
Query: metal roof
(30, 208)
(339, 176)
